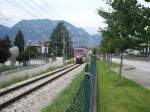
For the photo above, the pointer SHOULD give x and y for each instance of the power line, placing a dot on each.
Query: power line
(15, 4)
(48, 6)
(35, 16)
(31, 7)
(43, 10)
(4, 23)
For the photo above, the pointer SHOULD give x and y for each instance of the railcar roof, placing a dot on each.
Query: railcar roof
(80, 48)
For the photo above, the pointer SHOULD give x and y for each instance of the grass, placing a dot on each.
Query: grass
(113, 65)
(9, 82)
(129, 97)
(7, 68)
(61, 103)
(71, 61)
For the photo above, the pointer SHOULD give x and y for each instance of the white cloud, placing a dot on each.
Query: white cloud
(81, 13)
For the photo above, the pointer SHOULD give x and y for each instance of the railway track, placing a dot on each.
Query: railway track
(11, 95)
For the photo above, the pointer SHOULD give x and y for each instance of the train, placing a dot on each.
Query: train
(80, 55)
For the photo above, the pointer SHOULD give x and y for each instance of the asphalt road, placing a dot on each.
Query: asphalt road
(141, 65)
(141, 73)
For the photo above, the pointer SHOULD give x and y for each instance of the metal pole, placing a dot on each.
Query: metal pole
(69, 50)
(29, 52)
(63, 47)
(56, 52)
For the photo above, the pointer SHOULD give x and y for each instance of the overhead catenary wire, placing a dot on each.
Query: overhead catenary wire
(4, 23)
(31, 7)
(16, 5)
(41, 8)
(50, 8)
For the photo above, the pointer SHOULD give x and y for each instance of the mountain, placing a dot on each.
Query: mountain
(94, 40)
(3, 31)
(41, 29)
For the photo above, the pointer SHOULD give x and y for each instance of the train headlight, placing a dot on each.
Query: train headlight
(78, 56)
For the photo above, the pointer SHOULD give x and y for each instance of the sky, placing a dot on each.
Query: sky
(81, 13)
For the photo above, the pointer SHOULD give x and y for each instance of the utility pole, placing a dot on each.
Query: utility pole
(70, 48)
(29, 52)
(56, 52)
(64, 47)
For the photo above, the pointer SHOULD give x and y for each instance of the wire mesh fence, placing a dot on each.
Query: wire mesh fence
(85, 98)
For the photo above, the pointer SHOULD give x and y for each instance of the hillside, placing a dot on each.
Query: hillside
(41, 29)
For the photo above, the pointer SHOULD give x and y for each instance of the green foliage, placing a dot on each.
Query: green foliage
(4, 52)
(94, 51)
(19, 41)
(129, 97)
(33, 52)
(23, 56)
(125, 27)
(56, 44)
(121, 33)
(7, 42)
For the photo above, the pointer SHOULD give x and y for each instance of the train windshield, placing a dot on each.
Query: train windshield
(79, 52)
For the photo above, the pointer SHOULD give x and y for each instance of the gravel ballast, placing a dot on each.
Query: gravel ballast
(40, 98)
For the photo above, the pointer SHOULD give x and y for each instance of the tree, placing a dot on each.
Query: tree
(121, 28)
(19, 41)
(4, 52)
(23, 58)
(56, 44)
(94, 51)
(33, 52)
(7, 42)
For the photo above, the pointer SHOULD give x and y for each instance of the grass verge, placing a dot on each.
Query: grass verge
(61, 103)
(7, 68)
(7, 83)
(71, 61)
(129, 97)
(114, 65)
(11, 81)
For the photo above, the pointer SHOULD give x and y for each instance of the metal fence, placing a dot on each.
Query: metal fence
(85, 98)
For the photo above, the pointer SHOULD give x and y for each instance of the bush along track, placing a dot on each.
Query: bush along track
(14, 80)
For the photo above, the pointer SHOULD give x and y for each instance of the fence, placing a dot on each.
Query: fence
(85, 98)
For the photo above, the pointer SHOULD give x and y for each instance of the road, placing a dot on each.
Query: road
(141, 73)
(141, 65)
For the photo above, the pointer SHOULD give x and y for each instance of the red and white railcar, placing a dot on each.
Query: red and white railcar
(80, 55)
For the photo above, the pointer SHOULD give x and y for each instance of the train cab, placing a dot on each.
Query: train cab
(80, 55)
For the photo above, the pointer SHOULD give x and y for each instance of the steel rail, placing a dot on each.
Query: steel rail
(16, 98)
